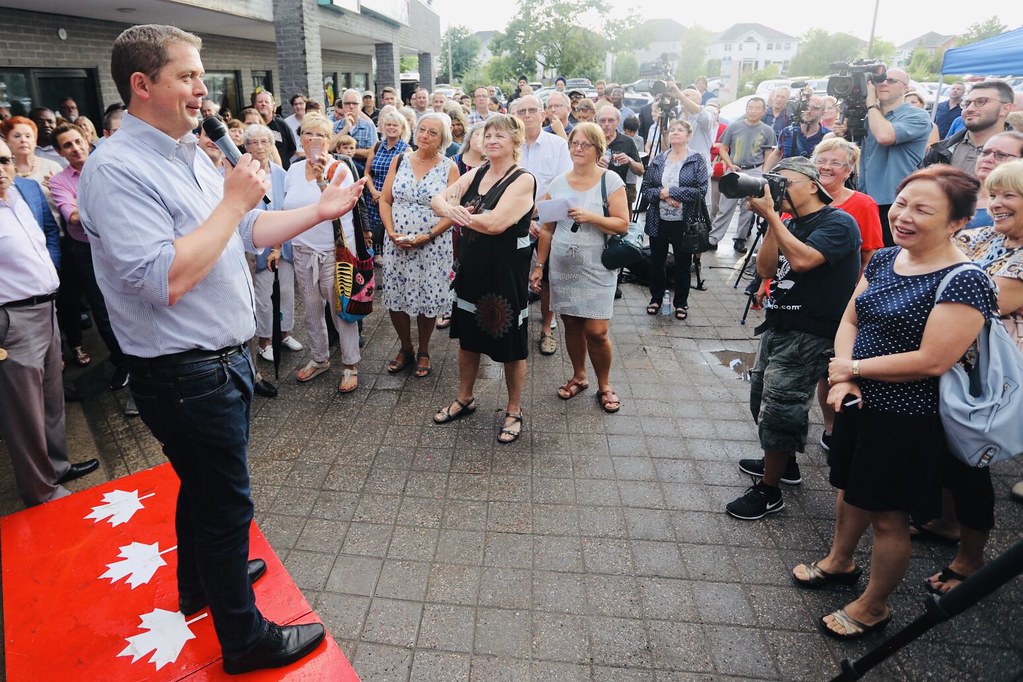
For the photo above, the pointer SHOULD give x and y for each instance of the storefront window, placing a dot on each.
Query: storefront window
(223, 89)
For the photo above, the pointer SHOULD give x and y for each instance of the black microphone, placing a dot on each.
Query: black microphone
(217, 132)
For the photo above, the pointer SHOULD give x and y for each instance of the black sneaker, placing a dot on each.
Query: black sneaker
(120, 377)
(755, 467)
(758, 502)
(740, 246)
(826, 441)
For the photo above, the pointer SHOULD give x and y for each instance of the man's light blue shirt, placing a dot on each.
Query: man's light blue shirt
(140, 192)
(883, 167)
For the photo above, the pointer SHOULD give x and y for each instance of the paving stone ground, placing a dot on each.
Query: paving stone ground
(595, 548)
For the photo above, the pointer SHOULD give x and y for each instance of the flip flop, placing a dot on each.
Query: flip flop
(653, 308)
(572, 388)
(854, 629)
(509, 431)
(606, 399)
(465, 409)
(401, 362)
(819, 577)
(681, 313)
(422, 371)
(919, 531)
(946, 574)
(347, 375)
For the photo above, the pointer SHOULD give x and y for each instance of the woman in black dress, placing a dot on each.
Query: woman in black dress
(493, 204)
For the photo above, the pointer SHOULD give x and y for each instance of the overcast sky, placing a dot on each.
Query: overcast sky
(897, 20)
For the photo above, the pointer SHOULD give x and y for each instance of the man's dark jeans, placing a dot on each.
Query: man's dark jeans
(85, 276)
(199, 411)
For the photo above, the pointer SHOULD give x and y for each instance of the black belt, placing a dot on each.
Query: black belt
(185, 357)
(31, 300)
(750, 167)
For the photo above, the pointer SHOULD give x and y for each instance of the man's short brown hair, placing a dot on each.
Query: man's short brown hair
(144, 49)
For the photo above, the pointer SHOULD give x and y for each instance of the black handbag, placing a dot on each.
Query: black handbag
(618, 251)
(696, 237)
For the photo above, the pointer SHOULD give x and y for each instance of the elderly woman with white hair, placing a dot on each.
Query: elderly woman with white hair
(417, 253)
(258, 140)
(394, 135)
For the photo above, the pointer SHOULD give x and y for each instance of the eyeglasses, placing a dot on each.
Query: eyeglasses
(831, 164)
(607, 120)
(980, 102)
(579, 144)
(258, 143)
(531, 111)
(351, 104)
(6, 160)
(893, 81)
(1000, 157)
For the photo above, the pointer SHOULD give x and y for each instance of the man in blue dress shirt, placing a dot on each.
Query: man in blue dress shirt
(168, 237)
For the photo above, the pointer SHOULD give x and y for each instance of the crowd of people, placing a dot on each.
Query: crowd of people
(473, 212)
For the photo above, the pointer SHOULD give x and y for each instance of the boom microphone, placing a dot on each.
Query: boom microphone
(217, 132)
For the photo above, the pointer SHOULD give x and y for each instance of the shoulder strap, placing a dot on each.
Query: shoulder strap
(963, 268)
(603, 194)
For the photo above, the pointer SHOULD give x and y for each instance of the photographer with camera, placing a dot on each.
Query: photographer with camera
(814, 262)
(895, 141)
(800, 139)
(743, 148)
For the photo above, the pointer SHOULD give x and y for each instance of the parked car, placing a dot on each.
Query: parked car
(642, 85)
(578, 83)
(636, 100)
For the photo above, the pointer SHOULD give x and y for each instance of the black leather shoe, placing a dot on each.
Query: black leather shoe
(79, 470)
(119, 379)
(280, 646)
(265, 389)
(193, 605)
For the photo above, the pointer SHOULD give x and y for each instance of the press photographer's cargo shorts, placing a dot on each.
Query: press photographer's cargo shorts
(784, 385)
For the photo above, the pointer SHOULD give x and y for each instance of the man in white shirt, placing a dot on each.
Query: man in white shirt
(545, 156)
(297, 113)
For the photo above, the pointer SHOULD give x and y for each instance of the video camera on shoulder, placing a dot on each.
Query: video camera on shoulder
(666, 102)
(849, 87)
(796, 107)
(742, 186)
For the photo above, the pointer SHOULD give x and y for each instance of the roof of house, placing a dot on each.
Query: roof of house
(665, 30)
(929, 39)
(737, 31)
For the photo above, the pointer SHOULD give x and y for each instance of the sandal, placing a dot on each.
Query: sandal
(401, 361)
(920, 531)
(818, 577)
(853, 629)
(81, 357)
(653, 307)
(946, 574)
(421, 369)
(508, 430)
(445, 415)
(347, 375)
(312, 370)
(609, 401)
(444, 322)
(548, 344)
(681, 313)
(573, 388)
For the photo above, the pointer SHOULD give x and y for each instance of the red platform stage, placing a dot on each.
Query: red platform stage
(90, 593)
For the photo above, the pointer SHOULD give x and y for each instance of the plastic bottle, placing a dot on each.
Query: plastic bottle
(666, 304)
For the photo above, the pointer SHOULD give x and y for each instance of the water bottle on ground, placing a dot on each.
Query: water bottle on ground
(666, 303)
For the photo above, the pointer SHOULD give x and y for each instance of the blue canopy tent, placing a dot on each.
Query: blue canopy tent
(1001, 55)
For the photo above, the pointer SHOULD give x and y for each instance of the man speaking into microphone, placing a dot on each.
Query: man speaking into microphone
(169, 236)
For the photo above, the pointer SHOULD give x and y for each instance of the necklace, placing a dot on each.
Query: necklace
(419, 157)
(31, 169)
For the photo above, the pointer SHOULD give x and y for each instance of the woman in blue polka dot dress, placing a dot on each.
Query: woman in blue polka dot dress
(891, 347)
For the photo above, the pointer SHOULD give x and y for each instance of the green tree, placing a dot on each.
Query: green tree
(692, 57)
(924, 66)
(819, 49)
(749, 82)
(554, 35)
(883, 50)
(981, 30)
(409, 63)
(626, 69)
(465, 48)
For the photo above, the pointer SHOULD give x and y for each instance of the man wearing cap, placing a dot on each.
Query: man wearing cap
(369, 107)
(560, 83)
(813, 261)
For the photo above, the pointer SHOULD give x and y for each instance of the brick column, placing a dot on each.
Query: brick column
(388, 65)
(297, 29)
(426, 76)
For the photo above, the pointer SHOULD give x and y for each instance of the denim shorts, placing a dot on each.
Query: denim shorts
(784, 381)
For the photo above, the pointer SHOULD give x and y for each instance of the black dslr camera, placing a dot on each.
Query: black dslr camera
(849, 87)
(742, 186)
(665, 102)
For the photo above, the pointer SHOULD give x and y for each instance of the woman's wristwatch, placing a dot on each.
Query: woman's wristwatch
(856, 369)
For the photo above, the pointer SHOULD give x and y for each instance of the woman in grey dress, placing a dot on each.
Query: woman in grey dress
(582, 290)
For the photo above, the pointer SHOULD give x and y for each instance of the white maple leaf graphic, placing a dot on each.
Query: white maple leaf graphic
(139, 561)
(119, 506)
(167, 633)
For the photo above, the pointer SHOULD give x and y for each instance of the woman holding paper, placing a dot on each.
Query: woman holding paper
(673, 184)
(582, 289)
